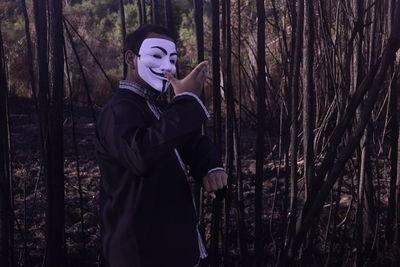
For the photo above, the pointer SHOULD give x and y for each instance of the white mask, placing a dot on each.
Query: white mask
(156, 56)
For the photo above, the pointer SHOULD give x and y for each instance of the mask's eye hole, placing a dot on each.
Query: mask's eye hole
(157, 56)
(172, 61)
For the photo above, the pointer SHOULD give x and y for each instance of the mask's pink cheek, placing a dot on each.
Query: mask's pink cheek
(149, 61)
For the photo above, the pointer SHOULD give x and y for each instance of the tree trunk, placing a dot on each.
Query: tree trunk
(40, 15)
(230, 118)
(55, 250)
(6, 213)
(308, 107)
(216, 209)
(142, 10)
(293, 126)
(357, 75)
(168, 16)
(393, 124)
(154, 12)
(364, 224)
(308, 96)
(261, 129)
(216, 79)
(242, 233)
(123, 30)
(198, 16)
(395, 156)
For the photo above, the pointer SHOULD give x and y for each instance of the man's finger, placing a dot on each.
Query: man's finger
(199, 68)
(218, 180)
(213, 183)
(212, 195)
(201, 76)
(169, 77)
(224, 179)
(207, 70)
(206, 184)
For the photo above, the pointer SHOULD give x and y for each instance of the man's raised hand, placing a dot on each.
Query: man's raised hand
(214, 181)
(193, 82)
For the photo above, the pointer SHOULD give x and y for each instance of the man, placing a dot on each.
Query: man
(147, 210)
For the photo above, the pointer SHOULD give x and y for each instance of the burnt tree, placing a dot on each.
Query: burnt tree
(216, 80)
(261, 130)
(6, 213)
(55, 150)
(123, 30)
(154, 12)
(229, 129)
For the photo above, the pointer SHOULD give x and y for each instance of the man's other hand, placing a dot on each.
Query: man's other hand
(193, 82)
(214, 181)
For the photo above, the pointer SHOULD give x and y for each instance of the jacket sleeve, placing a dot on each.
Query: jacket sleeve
(125, 135)
(201, 155)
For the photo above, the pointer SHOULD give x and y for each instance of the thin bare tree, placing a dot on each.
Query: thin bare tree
(123, 30)
(142, 11)
(40, 17)
(55, 251)
(217, 123)
(229, 130)
(169, 20)
(308, 106)
(239, 196)
(261, 130)
(6, 212)
(154, 12)
(294, 93)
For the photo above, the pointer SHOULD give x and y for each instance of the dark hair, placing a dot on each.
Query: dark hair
(134, 40)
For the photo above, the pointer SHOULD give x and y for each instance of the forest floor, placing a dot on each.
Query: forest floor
(82, 242)
(30, 187)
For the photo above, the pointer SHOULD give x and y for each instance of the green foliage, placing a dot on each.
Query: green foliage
(9, 10)
(187, 40)
(14, 42)
(98, 22)
(106, 27)
(100, 16)
(104, 19)
(187, 28)
(131, 17)
(180, 9)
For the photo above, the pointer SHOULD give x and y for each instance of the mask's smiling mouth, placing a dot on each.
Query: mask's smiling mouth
(158, 74)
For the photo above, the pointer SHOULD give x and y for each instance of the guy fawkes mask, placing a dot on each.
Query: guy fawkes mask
(157, 55)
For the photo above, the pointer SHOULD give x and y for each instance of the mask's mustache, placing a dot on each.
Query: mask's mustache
(158, 74)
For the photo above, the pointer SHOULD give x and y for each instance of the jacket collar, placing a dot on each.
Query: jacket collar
(138, 89)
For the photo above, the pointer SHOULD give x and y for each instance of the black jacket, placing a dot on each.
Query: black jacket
(146, 209)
